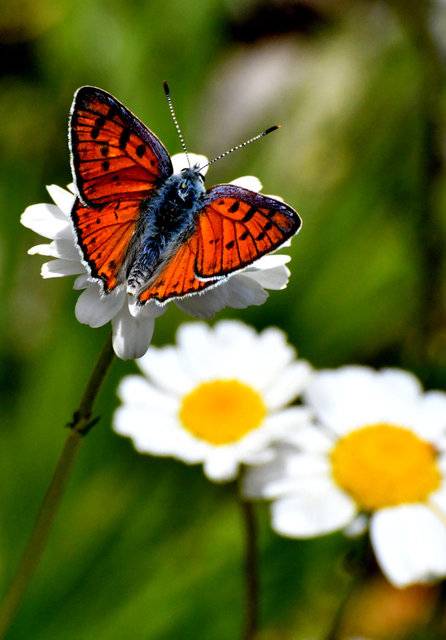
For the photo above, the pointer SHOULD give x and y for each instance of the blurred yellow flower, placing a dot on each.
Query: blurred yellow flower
(377, 449)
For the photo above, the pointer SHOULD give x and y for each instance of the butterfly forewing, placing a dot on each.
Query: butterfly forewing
(117, 163)
(113, 154)
(237, 226)
(104, 236)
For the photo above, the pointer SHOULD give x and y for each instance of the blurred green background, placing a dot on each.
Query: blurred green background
(146, 548)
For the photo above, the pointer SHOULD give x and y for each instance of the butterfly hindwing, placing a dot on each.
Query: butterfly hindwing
(177, 278)
(113, 153)
(237, 226)
(104, 235)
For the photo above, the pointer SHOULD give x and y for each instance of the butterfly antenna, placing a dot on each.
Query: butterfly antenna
(241, 145)
(175, 121)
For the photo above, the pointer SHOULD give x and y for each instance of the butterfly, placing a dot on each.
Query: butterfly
(163, 235)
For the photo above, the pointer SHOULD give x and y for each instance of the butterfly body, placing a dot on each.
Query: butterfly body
(160, 234)
(167, 219)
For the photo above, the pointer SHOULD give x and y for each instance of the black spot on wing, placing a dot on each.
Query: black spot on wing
(124, 138)
(249, 214)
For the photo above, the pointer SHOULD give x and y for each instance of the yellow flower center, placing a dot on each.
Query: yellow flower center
(381, 465)
(222, 411)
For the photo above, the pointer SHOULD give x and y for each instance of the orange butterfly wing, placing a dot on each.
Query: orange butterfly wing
(177, 278)
(234, 228)
(117, 163)
(104, 236)
(113, 154)
(237, 227)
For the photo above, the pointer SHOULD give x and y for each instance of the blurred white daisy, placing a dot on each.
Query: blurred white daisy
(219, 397)
(132, 333)
(375, 457)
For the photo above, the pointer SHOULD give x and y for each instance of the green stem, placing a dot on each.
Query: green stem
(37, 542)
(251, 572)
(359, 565)
(334, 631)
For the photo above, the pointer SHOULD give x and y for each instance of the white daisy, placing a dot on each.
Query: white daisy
(377, 451)
(219, 397)
(132, 332)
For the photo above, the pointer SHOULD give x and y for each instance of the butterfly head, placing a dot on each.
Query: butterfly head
(190, 185)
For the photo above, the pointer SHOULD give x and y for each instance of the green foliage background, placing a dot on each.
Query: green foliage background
(147, 548)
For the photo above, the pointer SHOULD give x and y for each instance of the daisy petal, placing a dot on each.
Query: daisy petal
(287, 473)
(45, 219)
(96, 310)
(438, 500)
(318, 508)
(242, 291)
(66, 248)
(288, 384)
(133, 420)
(238, 292)
(268, 262)
(131, 336)
(357, 527)
(135, 391)
(310, 438)
(59, 248)
(148, 438)
(151, 308)
(431, 421)
(410, 544)
(82, 282)
(248, 182)
(164, 368)
(44, 250)
(287, 420)
(401, 383)
(205, 305)
(274, 279)
(60, 267)
(196, 349)
(352, 396)
(63, 199)
(179, 161)
(221, 468)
